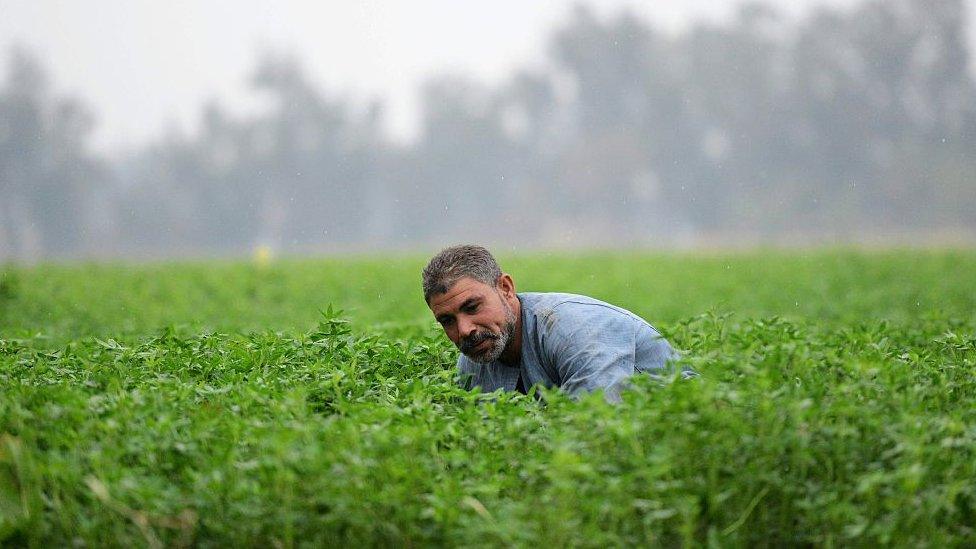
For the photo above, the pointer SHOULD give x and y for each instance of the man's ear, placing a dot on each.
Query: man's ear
(505, 285)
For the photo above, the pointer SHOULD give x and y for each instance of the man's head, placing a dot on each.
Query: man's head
(473, 301)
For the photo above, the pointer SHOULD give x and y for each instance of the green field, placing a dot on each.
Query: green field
(223, 404)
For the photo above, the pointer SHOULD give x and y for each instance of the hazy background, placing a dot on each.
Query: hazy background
(146, 129)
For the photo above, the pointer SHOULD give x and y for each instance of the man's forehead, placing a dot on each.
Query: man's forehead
(456, 295)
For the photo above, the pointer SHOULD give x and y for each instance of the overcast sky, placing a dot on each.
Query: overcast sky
(144, 65)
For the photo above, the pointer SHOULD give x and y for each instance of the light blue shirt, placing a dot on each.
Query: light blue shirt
(576, 343)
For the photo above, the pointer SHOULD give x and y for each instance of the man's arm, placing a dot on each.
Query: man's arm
(592, 347)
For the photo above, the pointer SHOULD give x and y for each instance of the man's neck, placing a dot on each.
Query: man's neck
(512, 356)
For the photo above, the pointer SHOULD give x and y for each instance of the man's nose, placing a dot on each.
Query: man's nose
(466, 327)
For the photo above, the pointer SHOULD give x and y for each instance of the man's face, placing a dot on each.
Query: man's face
(476, 317)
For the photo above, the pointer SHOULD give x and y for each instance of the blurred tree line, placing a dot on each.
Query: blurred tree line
(843, 125)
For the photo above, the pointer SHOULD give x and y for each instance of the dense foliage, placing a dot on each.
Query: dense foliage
(835, 407)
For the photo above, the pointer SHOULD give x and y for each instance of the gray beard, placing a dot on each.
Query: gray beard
(501, 343)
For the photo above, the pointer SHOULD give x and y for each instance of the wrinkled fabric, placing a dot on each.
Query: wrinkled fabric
(578, 344)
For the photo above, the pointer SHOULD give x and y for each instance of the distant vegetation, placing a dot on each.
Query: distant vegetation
(855, 124)
(212, 404)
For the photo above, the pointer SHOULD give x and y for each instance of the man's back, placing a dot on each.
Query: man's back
(576, 343)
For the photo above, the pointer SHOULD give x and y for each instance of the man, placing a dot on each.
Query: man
(513, 341)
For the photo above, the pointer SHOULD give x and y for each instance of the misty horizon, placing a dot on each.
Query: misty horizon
(842, 125)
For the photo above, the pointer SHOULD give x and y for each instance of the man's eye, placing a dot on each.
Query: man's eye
(446, 321)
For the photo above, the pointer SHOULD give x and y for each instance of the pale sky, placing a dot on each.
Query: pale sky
(144, 65)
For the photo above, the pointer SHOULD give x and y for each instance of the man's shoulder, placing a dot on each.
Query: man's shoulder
(542, 301)
(545, 303)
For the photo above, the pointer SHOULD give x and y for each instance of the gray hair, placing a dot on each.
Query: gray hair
(454, 263)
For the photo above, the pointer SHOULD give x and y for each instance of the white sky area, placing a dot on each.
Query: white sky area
(144, 66)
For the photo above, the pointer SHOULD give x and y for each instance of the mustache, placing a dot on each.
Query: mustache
(469, 343)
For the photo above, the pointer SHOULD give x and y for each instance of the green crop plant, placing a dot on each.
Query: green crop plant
(216, 404)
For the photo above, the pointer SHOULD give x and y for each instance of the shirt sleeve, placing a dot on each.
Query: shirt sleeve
(591, 348)
(654, 353)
